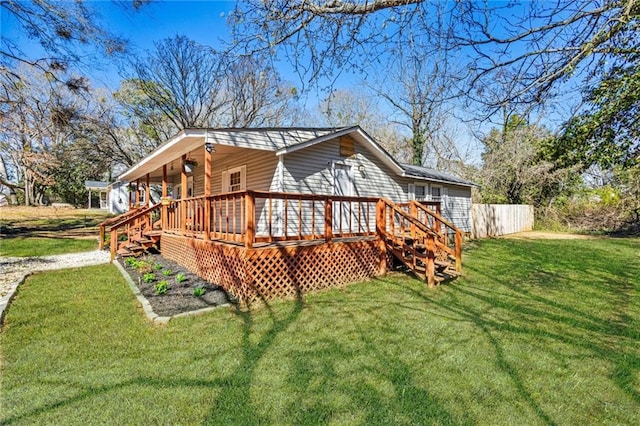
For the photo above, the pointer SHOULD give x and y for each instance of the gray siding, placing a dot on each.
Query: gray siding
(309, 171)
(261, 168)
(457, 206)
(456, 202)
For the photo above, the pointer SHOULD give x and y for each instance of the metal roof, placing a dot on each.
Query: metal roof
(280, 140)
(95, 184)
(425, 173)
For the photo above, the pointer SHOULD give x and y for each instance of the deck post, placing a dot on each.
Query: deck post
(137, 199)
(147, 191)
(431, 267)
(164, 196)
(413, 210)
(101, 243)
(381, 228)
(437, 223)
(328, 219)
(113, 245)
(183, 197)
(250, 207)
(207, 193)
(458, 251)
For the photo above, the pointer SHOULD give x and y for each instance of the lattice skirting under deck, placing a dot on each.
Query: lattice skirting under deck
(254, 275)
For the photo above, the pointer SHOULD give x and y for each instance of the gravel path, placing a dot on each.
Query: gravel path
(14, 269)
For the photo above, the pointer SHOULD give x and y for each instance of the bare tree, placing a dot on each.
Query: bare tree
(539, 43)
(360, 106)
(194, 86)
(183, 80)
(255, 95)
(419, 91)
(48, 137)
(64, 30)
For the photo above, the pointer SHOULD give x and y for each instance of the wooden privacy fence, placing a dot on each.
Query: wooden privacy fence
(493, 220)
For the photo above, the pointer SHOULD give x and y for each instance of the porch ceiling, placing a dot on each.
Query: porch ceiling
(173, 159)
(168, 153)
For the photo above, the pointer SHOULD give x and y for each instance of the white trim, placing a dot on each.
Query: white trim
(131, 174)
(411, 191)
(440, 181)
(281, 173)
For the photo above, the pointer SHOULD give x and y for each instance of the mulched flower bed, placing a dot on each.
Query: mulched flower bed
(179, 297)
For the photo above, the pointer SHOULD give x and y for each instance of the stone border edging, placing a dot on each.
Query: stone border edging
(146, 306)
(7, 298)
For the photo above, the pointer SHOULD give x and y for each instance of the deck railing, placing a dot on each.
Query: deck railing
(448, 234)
(127, 226)
(251, 217)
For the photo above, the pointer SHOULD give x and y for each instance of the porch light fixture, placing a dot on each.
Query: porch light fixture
(361, 169)
(211, 148)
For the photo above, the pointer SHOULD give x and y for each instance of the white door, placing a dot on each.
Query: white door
(342, 185)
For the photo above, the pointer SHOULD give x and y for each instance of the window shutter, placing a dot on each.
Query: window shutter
(412, 191)
(225, 182)
(243, 178)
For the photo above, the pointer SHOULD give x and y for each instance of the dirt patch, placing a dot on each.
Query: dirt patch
(542, 235)
(179, 297)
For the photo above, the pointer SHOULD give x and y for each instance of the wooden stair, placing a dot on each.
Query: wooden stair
(139, 244)
(132, 233)
(419, 239)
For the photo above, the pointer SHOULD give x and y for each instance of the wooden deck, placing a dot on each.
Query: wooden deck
(264, 245)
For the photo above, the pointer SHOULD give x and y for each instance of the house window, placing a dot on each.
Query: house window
(418, 191)
(234, 179)
(436, 193)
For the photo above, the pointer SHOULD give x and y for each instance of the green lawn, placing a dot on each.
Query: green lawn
(536, 332)
(24, 247)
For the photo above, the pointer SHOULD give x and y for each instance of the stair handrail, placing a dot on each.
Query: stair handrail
(457, 250)
(431, 238)
(107, 224)
(140, 212)
(413, 220)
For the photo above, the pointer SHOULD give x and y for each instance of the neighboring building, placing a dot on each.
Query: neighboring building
(98, 194)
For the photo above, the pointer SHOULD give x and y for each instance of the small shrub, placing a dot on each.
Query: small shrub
(167, 272)
(161, 287)
(180, 278)
(149, 277)
(199, 291)
(131, 262)
(143, 267)
(157, 266)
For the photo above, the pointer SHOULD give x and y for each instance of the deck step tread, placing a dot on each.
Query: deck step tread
(142, 241)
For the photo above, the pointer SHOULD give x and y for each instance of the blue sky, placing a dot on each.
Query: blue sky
(202, 21)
